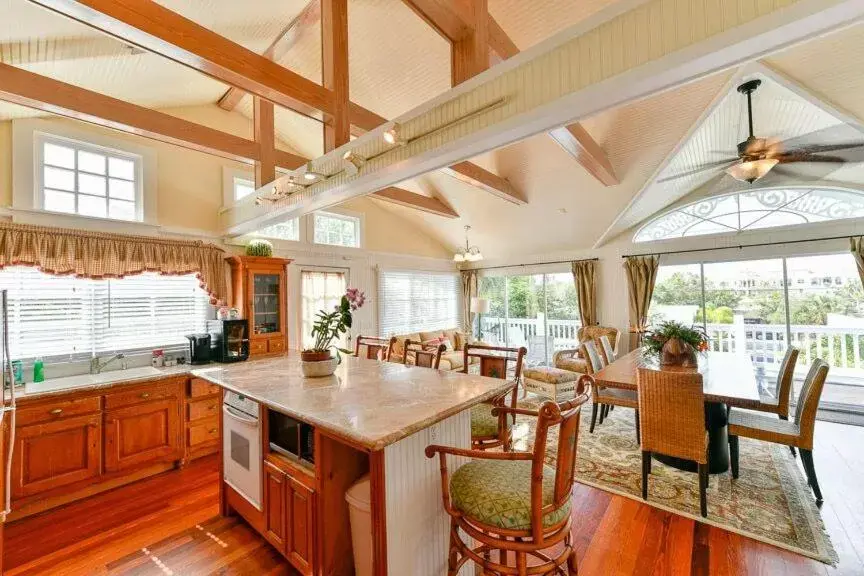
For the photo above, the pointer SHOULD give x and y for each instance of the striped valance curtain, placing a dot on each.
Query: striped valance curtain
(100, 255)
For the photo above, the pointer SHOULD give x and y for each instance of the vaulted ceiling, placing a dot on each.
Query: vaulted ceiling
(398, 62)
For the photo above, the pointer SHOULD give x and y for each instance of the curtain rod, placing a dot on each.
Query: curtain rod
(535, 264)
(740, 246)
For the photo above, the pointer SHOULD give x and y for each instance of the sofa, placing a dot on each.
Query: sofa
(572, 359)
(450, 360)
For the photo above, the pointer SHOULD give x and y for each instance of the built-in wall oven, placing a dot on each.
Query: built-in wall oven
(241, 446)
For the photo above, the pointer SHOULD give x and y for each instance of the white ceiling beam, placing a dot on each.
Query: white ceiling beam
(608, 60)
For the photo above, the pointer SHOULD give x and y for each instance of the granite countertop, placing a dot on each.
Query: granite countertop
(369, 403)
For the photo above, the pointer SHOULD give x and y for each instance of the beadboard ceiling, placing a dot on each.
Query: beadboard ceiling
(398, 62)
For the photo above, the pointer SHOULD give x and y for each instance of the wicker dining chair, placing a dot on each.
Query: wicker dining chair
(604, 397)
(512, 501)
(672, 411)
(375, 348)
(797, 433)
(490, 430)
(607, 348)
(423, 355)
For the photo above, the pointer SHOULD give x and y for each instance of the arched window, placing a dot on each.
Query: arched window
(765, 208)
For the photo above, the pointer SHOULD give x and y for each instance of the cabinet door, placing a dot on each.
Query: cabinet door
(56, 454)
(143, 434)
(274, 506)
(266, 303)
(300, 542)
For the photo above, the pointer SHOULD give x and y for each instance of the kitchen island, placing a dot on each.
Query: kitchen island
(372, 418)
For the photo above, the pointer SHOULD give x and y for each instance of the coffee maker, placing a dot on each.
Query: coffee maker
(199, 348)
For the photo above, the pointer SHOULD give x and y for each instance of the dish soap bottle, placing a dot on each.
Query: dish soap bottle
(38, 370)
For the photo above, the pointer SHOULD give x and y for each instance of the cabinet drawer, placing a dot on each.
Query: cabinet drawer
(257, 347)
(199, 387)
(199, 409)
(140, 394)
(276, 345)
(203, 431)
(51, 411)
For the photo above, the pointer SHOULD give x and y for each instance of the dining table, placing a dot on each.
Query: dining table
(728, 380)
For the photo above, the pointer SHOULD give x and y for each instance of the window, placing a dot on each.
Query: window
(289, 230)
(337, 229)
(319, 291)
(79, 178)
(765, 208)
(418, 301)
(243, 187)
(539, 311)
(64, 316)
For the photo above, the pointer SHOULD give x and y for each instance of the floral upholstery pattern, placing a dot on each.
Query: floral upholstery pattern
(450, 360)
(483, 423)
(572, 364)
(498, 493)
(549, 374)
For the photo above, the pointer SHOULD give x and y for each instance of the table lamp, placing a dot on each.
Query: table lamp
(479, 306)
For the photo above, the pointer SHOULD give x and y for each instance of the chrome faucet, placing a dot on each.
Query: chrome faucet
(96, 365)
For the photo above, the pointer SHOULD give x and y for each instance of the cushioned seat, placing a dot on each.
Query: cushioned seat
(498, 493)
(550, 382)
(572, 364)
(618, 397)
(454, 360)
(762, 427)
(483, 423)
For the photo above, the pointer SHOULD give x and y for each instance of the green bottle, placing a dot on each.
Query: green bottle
(38, 370)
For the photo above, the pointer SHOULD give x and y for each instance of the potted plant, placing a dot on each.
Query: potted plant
(319, 360)
(676, 344)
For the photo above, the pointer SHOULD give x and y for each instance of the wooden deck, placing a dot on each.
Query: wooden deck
(171, 521)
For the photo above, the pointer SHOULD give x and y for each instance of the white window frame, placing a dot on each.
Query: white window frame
(356, 217)
(28, 138)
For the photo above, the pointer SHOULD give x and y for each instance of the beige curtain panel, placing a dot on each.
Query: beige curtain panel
(469, 290)
(99, 255)
(641, 276)
(857, 247)
(584, 277)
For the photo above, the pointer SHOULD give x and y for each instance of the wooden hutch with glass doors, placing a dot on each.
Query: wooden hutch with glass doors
(260, 292)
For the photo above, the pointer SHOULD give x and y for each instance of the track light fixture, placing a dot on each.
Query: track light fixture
(394, 136)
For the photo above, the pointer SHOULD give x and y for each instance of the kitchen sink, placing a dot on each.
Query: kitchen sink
(84, 380)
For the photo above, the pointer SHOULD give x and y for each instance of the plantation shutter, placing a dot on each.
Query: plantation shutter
(417, 301)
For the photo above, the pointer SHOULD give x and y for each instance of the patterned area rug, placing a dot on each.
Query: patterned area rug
(770, 501)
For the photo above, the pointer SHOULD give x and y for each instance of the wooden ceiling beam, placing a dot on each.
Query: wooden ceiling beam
(409, 199)
(307, 19)
(334, 55)
(572, 138)
(265, 137)
(48, 95)
(469, 56)
(148, 25)
(444, 16)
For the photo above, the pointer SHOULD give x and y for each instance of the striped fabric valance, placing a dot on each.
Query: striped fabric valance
(101, 255)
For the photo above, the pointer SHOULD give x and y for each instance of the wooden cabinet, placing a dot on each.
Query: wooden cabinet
(203, 418)
(55, 454)
(261, 292)
(289, 514)
(143, 433)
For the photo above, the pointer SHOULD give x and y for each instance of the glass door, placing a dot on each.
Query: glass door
(266, 298)
(562, 314)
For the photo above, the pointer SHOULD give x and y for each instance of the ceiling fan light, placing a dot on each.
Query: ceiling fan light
(752, 170)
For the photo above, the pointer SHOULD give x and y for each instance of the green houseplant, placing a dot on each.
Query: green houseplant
(675, 344)
(259, 247)
(319, 360)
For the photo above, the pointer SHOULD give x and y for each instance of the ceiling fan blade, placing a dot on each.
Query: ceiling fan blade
(791, 157)
(819, 148)
(705, 167)
(831, 139)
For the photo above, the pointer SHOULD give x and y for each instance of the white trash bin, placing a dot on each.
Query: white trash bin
(359, 498)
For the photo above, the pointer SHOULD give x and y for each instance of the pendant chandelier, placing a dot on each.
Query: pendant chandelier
(469, 253)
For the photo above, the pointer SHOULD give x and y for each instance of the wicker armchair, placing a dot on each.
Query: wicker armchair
(573, 360)
(375, 348)
(513, 502)
(423, 355)
(672, 412)
(603, 398)
(797, 434)
(488, 428)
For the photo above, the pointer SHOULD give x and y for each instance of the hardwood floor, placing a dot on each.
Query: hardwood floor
(169, 525)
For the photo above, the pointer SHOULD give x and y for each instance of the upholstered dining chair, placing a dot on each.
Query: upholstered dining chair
(778, 403)
(512, 501)
(490, 430)
(607, 348)
(423, 355)
(797, 433)
(374, 348)
(604, 397)
(572, 359)
(672, 412)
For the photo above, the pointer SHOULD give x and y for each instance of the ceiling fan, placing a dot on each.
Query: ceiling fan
(759, 156)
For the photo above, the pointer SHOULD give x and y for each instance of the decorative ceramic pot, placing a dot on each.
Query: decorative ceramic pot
(678, 353)
(317, 363)
(315, 355)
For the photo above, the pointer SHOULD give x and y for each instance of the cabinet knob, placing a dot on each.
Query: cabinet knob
(56, 411)
(145, 395)
(213, 430)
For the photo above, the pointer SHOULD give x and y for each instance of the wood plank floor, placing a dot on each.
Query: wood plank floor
(169, 525)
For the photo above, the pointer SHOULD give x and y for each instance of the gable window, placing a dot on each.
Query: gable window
(766, 208)
(336, 229)
(64, 317)
(79, 178)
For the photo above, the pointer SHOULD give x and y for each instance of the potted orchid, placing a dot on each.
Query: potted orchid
(319, 360)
